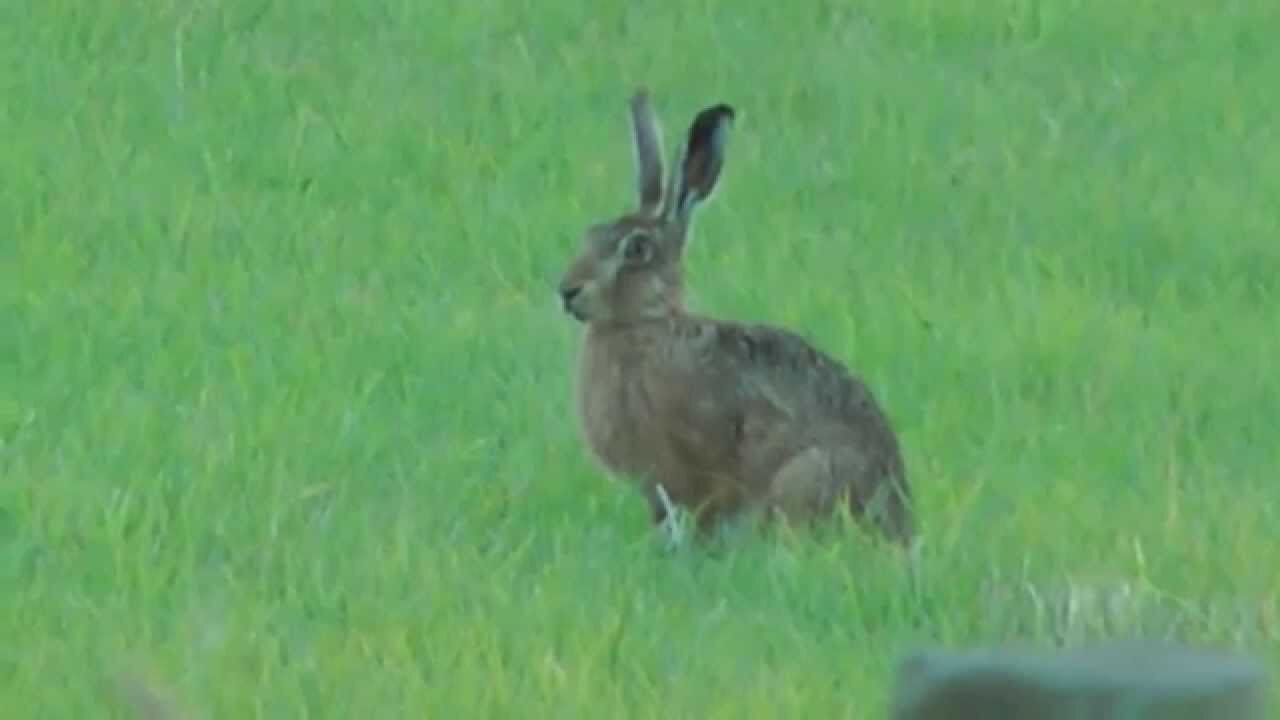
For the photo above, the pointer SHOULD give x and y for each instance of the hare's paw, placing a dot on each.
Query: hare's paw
(673, 523)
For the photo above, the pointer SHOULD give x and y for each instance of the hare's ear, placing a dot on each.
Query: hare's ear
(646, 138)
(701, 160)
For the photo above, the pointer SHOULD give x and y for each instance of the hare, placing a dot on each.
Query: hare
(717, 417)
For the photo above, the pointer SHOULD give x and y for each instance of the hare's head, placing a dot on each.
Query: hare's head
(629, 269)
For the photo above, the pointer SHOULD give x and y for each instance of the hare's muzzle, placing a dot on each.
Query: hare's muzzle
(567, 295)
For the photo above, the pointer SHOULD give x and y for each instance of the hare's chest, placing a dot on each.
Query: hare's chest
(617, 415)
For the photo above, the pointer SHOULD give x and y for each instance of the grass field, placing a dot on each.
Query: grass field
(285, 418)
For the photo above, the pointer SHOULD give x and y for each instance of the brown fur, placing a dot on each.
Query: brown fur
(726, 417)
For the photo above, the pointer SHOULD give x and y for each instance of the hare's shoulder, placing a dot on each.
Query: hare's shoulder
(784, 365)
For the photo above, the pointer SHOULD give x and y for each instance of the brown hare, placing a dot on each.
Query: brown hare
(716, 417)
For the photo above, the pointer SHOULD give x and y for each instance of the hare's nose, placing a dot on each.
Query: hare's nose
(567, 294)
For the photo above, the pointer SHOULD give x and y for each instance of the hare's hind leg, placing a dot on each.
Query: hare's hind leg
(816, 480)
(802, 488)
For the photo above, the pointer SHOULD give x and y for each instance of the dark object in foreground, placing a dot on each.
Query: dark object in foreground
(1111, 682)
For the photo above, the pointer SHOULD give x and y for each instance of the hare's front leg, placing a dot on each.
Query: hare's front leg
(667, 522)
(699, 500)
(659, 503)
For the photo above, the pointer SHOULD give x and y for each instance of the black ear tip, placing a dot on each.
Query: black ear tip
(716, 114)
(709, 121)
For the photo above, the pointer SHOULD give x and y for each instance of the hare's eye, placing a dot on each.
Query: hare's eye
(638, 249)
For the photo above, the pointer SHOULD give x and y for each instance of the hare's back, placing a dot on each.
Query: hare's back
(786, 369)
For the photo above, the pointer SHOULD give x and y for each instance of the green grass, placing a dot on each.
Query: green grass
(284, 394)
